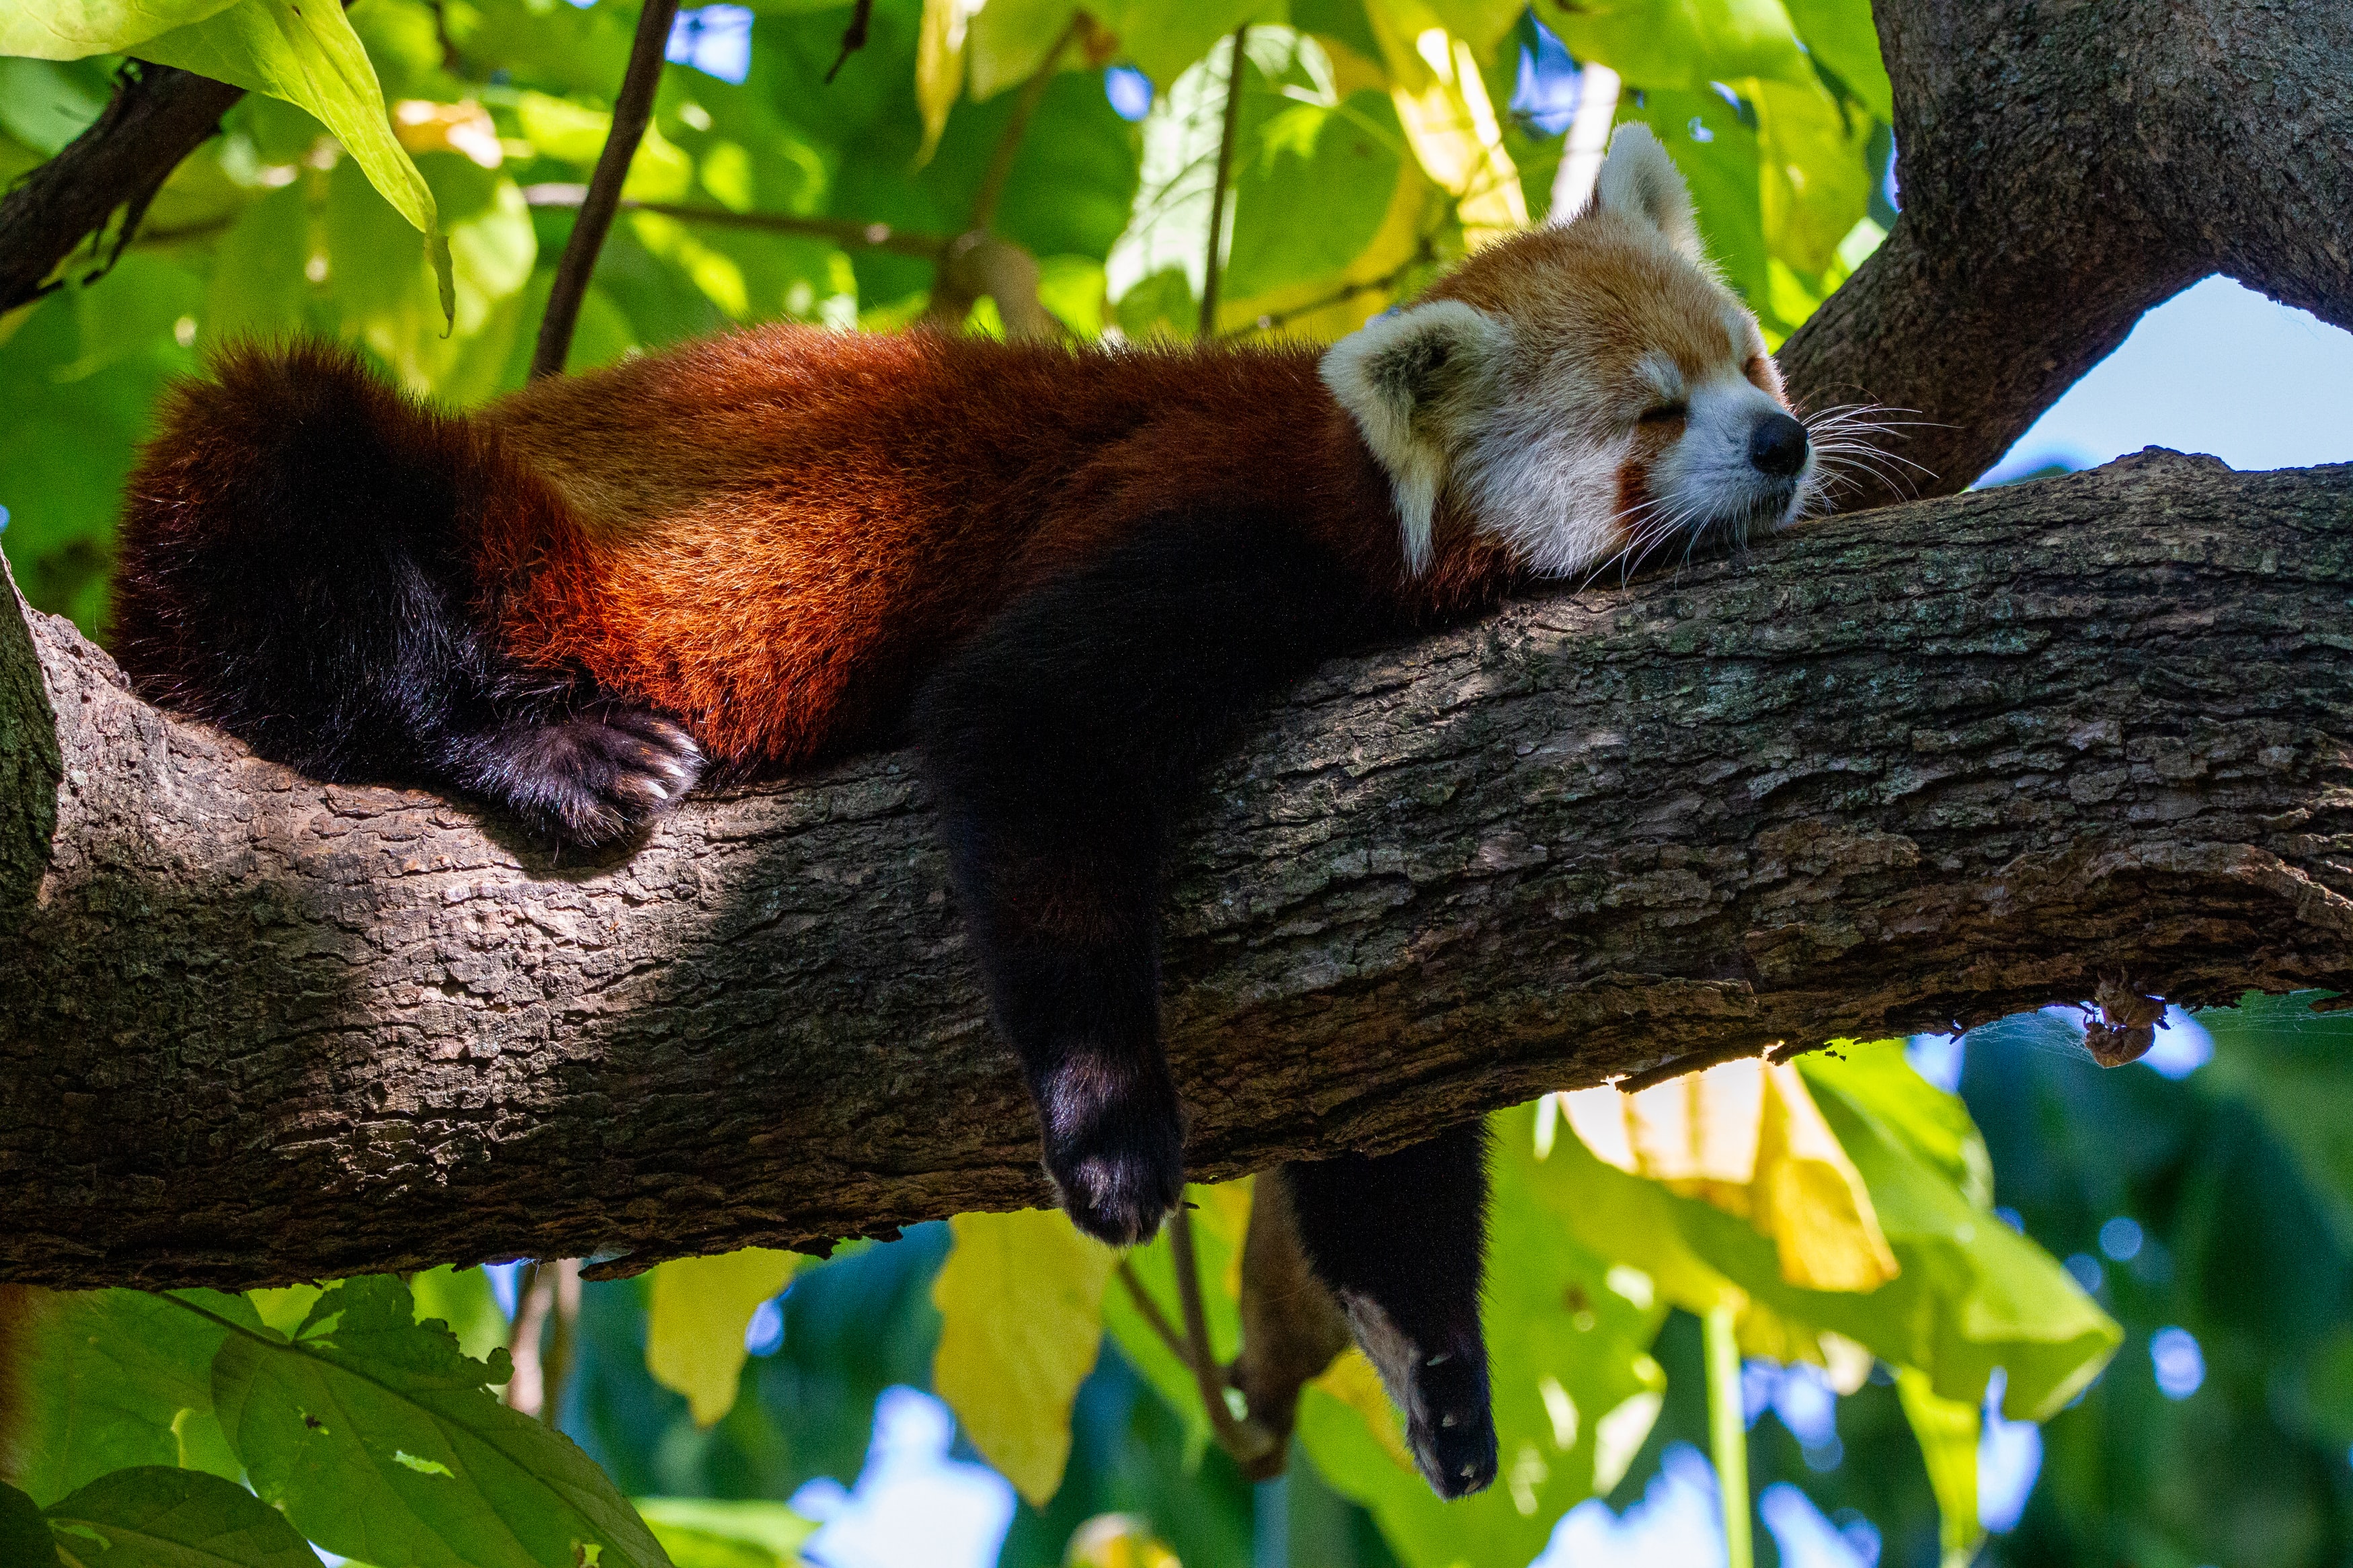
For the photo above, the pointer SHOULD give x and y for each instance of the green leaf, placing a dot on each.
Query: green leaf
(696, 1312)
(702, 1532)
(1009, 39)
(2293, 1067)
(1686, 44)
(1875, 1079)
(1948, 1431)
(45, 105)
(258, 287)
(1814, 185)
(1020, 1303)
(1841, 35)
(375, 1435)
(1161, 39)
(104, 1374)
(24, 1538)
(1972, 1294)
(157, 1517)
(386, 297)
(69, 29)
(1316, 194)
(309, 56)
(461, 1299)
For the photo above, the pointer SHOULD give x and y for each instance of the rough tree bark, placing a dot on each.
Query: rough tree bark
(1896, 772)
(2066, 164)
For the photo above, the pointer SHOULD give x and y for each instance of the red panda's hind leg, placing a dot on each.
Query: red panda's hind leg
(297, 566)
(1400, 1239)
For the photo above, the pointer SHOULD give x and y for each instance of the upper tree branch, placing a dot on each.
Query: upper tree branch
(1930, 765)
(2063, 168)
(156, 118)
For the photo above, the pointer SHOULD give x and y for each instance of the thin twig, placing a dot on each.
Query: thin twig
(1211, 270)
(853, 38)
(630, 116)
(1009, 142)
(1245, 1440)
(1152, 1315)
(1340, 296)
(840, 230)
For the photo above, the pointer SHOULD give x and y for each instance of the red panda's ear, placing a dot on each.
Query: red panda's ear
(1407, 377)
(1639, 181)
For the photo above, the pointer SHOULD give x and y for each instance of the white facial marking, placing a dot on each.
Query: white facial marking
(1709, 475)
(1660, 372)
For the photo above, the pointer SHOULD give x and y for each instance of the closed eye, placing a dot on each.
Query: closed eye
(1665, 411)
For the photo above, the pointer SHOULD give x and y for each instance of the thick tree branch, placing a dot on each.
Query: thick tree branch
(154, 120)
(2065, 167)
(1896, 772)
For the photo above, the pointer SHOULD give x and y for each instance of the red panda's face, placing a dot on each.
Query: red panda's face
(1584, 392)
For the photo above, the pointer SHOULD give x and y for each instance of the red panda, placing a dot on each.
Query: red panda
(1063, 572)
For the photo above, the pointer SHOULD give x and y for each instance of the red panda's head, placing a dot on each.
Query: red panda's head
(1581, 391)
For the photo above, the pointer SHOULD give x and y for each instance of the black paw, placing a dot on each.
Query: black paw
(594, 778)
(1451, 1422)
(1118, 1161)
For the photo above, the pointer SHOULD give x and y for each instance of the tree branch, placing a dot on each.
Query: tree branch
(155, 119)
(1931, 766)
(2062, 170)
(1212, 264)
(633, 109)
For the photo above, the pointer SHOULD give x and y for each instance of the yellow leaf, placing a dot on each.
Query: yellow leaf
(464, 128)
(1448, 121)
(1117, 1541)
(939, 67)
(1009, 39)
(1020, 1302)
(1749, 1139)
(1351, 1380)
(696, 1310)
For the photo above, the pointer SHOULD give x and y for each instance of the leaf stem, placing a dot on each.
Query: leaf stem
(1728, 1435)
(631, 113)
(843, 231)
(1211, 270)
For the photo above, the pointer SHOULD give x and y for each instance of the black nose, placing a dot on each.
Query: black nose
(1778, 445)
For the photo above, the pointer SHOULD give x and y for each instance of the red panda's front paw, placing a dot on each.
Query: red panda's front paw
(589, 780)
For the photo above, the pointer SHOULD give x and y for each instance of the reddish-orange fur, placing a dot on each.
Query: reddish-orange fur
(774, 534)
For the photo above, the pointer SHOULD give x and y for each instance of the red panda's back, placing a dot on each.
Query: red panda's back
(780, 531)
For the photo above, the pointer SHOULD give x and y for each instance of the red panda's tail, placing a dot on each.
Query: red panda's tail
(296, 534)
(300, 565)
